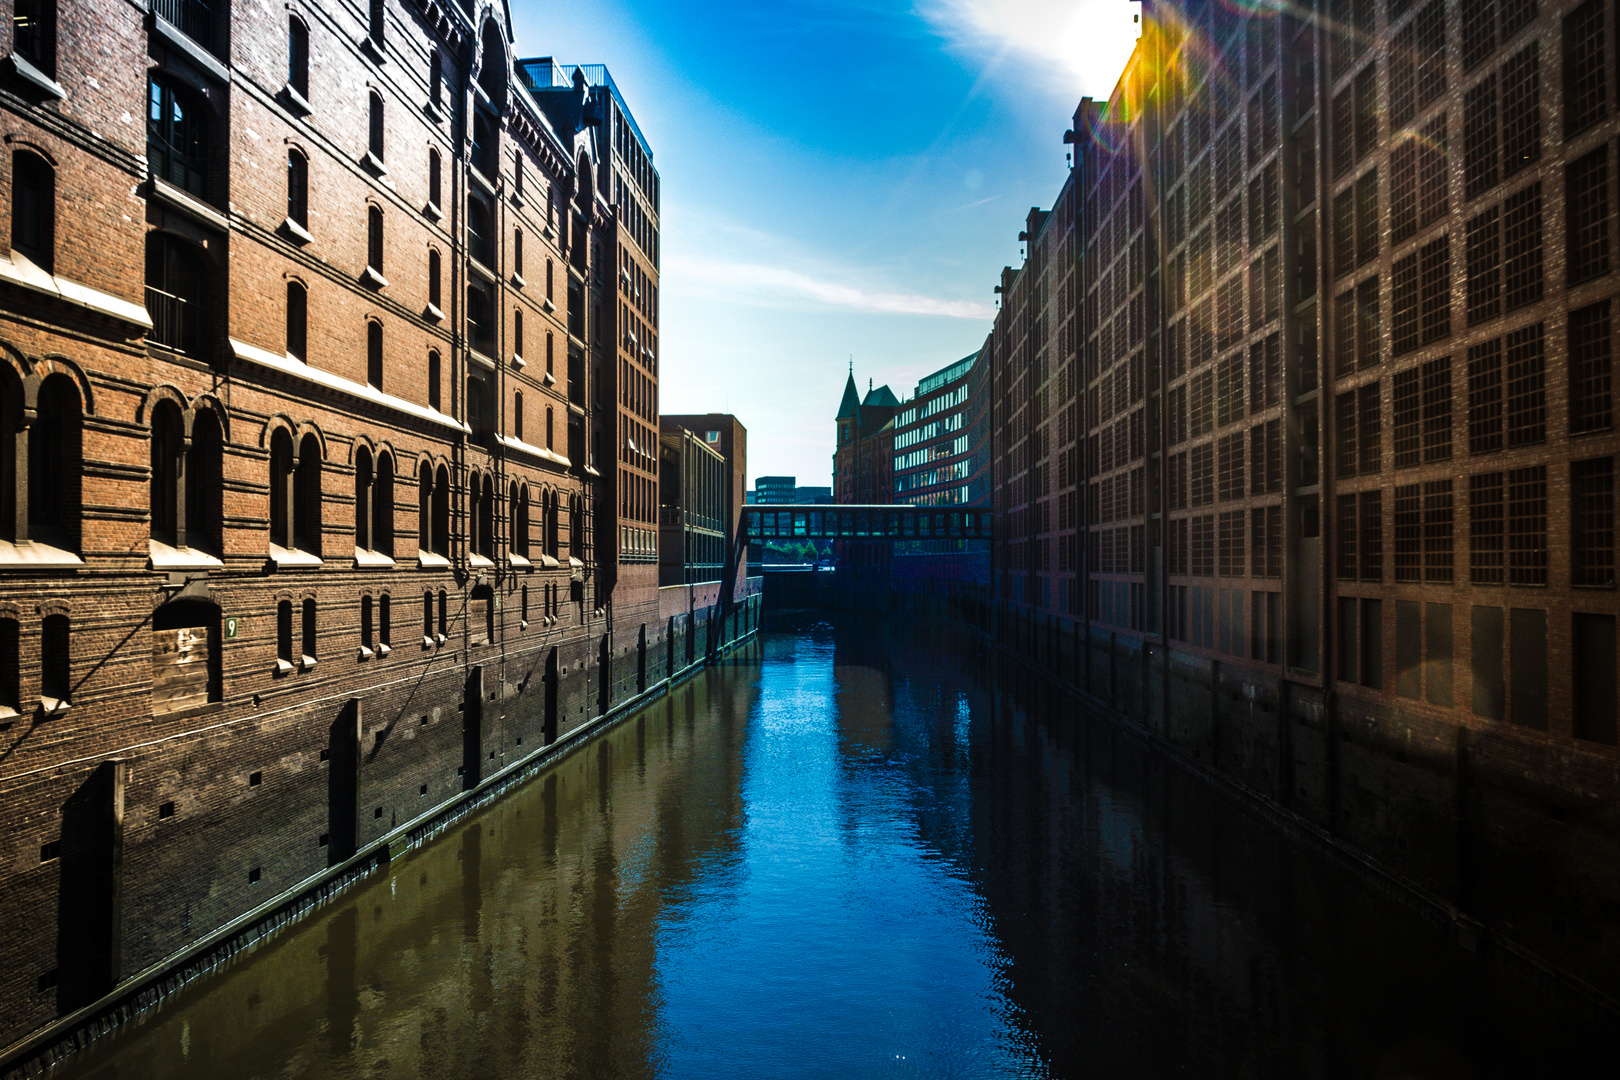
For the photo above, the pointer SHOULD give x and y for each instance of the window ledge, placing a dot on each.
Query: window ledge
(440, 639)
(50, 706)
(363, 557)
(549, 562)
(187, 203)
(307, 662)
(523, 624)
(28, 73)
(32, 555)
(433, 112)
(161, 556)
(433, 559)
(575, 564)
(284, 667)
(295, 102)
(194, 50)
(480, 359)
(427, 642)
(432, 312)
(374, 279)
(549, 379)
(365, 653)
(518, 362)
(537, 453)
(480, 561)
(297, 231)
(479, 178)
(483, 271)
(292, 558)
(432, 211)
(21, 270)
(286, 365)
(576, 408)
(548, 305)
(383, 649)
(519, 560)
(377, 168)
(517, 279)
(369, 46)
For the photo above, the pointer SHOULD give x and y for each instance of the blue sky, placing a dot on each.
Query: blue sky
(840, 177)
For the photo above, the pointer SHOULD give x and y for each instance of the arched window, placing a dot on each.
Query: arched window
(548, 279)
(168, 435)
(377, 20)
(517, 414)
(483, 516)
(307, 503)
(481, 615)
(55, 455)
(175, 294)
(297, 321)
(205, 484)
(552, 508)
(55, 662)
(33, 208)
(362, 498)
(441, 511)
(435, 180)
(374, 353)
(366, 629)
(520, 520)
(517, 333)
(435, 296)
(517, 252)
(382, 506)
(281, 491)
(298, 57)
(177, 142)
(436, 79)
(375, 143)
(480, 231)
(424, 507)
(434, 376)
(549, 429)
(298, 189)
(374, 239)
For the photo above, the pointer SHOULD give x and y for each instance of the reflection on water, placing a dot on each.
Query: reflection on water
(849, 852)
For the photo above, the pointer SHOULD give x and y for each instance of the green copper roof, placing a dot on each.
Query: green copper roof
(881, 396)
(852, 400)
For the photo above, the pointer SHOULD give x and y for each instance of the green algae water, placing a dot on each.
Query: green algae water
(849, 851)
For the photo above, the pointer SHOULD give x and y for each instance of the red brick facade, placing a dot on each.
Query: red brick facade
(316, 361)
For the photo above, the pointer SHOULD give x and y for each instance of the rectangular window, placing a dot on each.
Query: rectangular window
(1230, 458)
(1233, 555)
(1409, 532)
(1437, 668)
(1527, 675)
(1586, 188)
(1367, 217)
(1521, 109)
(1480, 153)
(1408, 649)
(1483, 241)
(1594, 663)
(1404, 305)
(1437, 289)
(1371, 426)
(1527, 526)
(1487, 529)
(1485, 647)
(1348, 459)
(1408, 386)
(1372, 644)
(1203, 546)
(309, 636)
(1485, 416)
(1437, 521)
(1371, 536)
(1436, 383)
(1521, 247)
(1526, 387)
(1592, 522)
(284, 631)
(1434, 188)
(1348, 522)
(1591, 369)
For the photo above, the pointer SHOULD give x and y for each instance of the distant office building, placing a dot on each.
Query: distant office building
(725, 435)
(940, 459)
(775, 489)
(693, 481)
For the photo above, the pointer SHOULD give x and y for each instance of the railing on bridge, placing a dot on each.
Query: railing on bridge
(799, 522)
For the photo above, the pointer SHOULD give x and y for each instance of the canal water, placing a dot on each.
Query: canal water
(849, 851)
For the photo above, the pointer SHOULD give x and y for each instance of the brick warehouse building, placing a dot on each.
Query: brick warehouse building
(311, 518)
(1305, 446)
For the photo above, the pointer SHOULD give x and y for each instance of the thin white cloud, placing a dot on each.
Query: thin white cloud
(764, 284)
(1077, 46)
